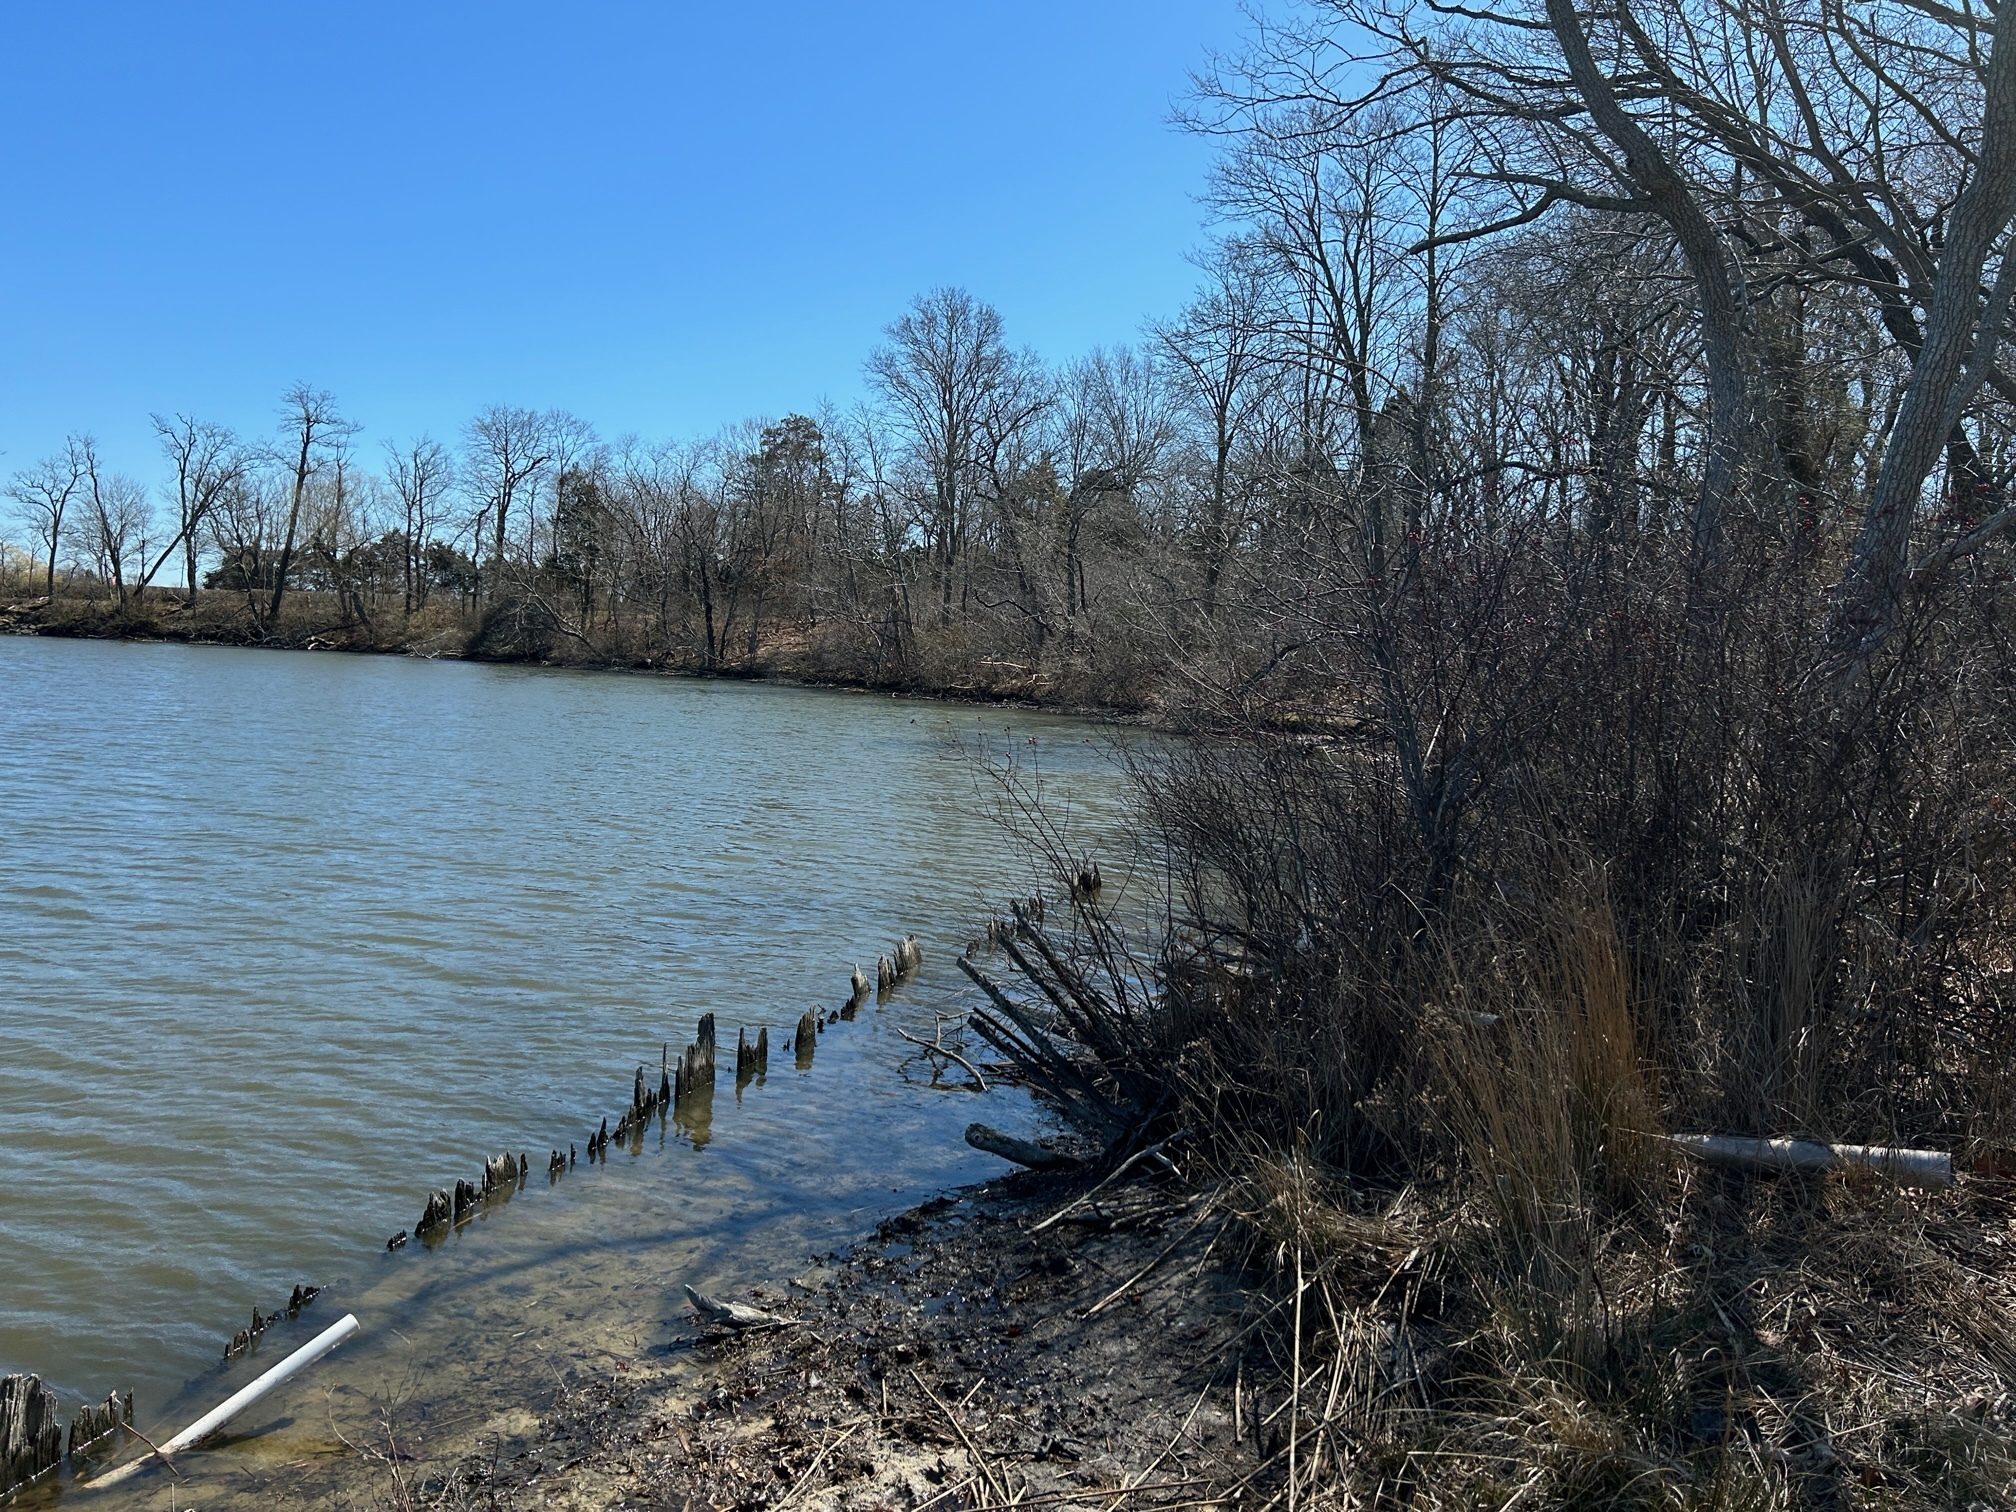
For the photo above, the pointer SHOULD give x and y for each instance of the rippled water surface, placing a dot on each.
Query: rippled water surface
(288, 940)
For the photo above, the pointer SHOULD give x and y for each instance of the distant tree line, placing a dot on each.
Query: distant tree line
(1617, 291)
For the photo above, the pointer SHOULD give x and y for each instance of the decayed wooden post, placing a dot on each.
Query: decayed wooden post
(31, 1433)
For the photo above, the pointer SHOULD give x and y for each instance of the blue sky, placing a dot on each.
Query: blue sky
(662, 217)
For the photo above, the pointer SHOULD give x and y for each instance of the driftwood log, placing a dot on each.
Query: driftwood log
(1920, 1168)
(31, 1433)
(739, 1316)
(1021, 1151)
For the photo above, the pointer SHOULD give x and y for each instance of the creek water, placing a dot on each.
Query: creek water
(288, 941)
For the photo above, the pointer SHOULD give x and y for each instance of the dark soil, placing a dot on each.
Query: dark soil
(948, 1362)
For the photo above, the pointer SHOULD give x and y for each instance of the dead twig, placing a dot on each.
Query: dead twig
(1125, 1286)
(980, 1460)
(818, 1460)
(938, 1049)
(1121, 1170)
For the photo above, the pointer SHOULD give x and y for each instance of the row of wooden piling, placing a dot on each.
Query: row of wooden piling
(689, 1077)
(32, 1439)
(246, 1337)
(890, 969)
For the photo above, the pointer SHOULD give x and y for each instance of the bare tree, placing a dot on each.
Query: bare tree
(1118, 426)
(43, 494)
(421, 473)
(314, 433)
(506, 451)
(954, 390)
(1218, 348)
(116, 520)
(206, 460)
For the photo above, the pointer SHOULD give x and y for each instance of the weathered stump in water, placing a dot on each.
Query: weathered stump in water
(92, 1424)
(499, 1171)
(245, 1338)
(696, 1068)
(439, 1211)
(885, 973)
(808, 1033)
(31, 1434)
(300, 1297)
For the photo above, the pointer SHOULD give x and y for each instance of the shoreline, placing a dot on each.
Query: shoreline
(943, 1359)
(26, 618)
(946, 1360)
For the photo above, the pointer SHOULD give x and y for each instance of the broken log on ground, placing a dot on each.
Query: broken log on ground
(1021, 1151)
(739, 1316)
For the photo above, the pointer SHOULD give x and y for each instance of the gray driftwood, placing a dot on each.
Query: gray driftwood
(739, 1316)
(1021, 1151)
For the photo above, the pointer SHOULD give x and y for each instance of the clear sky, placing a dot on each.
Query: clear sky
(662, 217)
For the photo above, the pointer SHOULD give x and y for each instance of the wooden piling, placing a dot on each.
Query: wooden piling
(94, 1424)
(31, 1435)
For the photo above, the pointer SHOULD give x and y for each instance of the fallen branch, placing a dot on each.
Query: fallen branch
(980, 1460)
(1021, 1151)
(1128, 1285)
(817, 1460)
(1121, 1170)
(954, 1055)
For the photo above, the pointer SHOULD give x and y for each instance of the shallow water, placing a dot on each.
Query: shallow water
(286, 941)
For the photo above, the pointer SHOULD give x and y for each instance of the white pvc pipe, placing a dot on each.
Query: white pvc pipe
(231, 1406)
(1924, 1168)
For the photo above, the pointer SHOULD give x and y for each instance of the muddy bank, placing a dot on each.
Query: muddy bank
(947, 1362)
(963, 1356)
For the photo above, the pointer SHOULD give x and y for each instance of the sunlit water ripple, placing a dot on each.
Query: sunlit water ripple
(288, 940)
